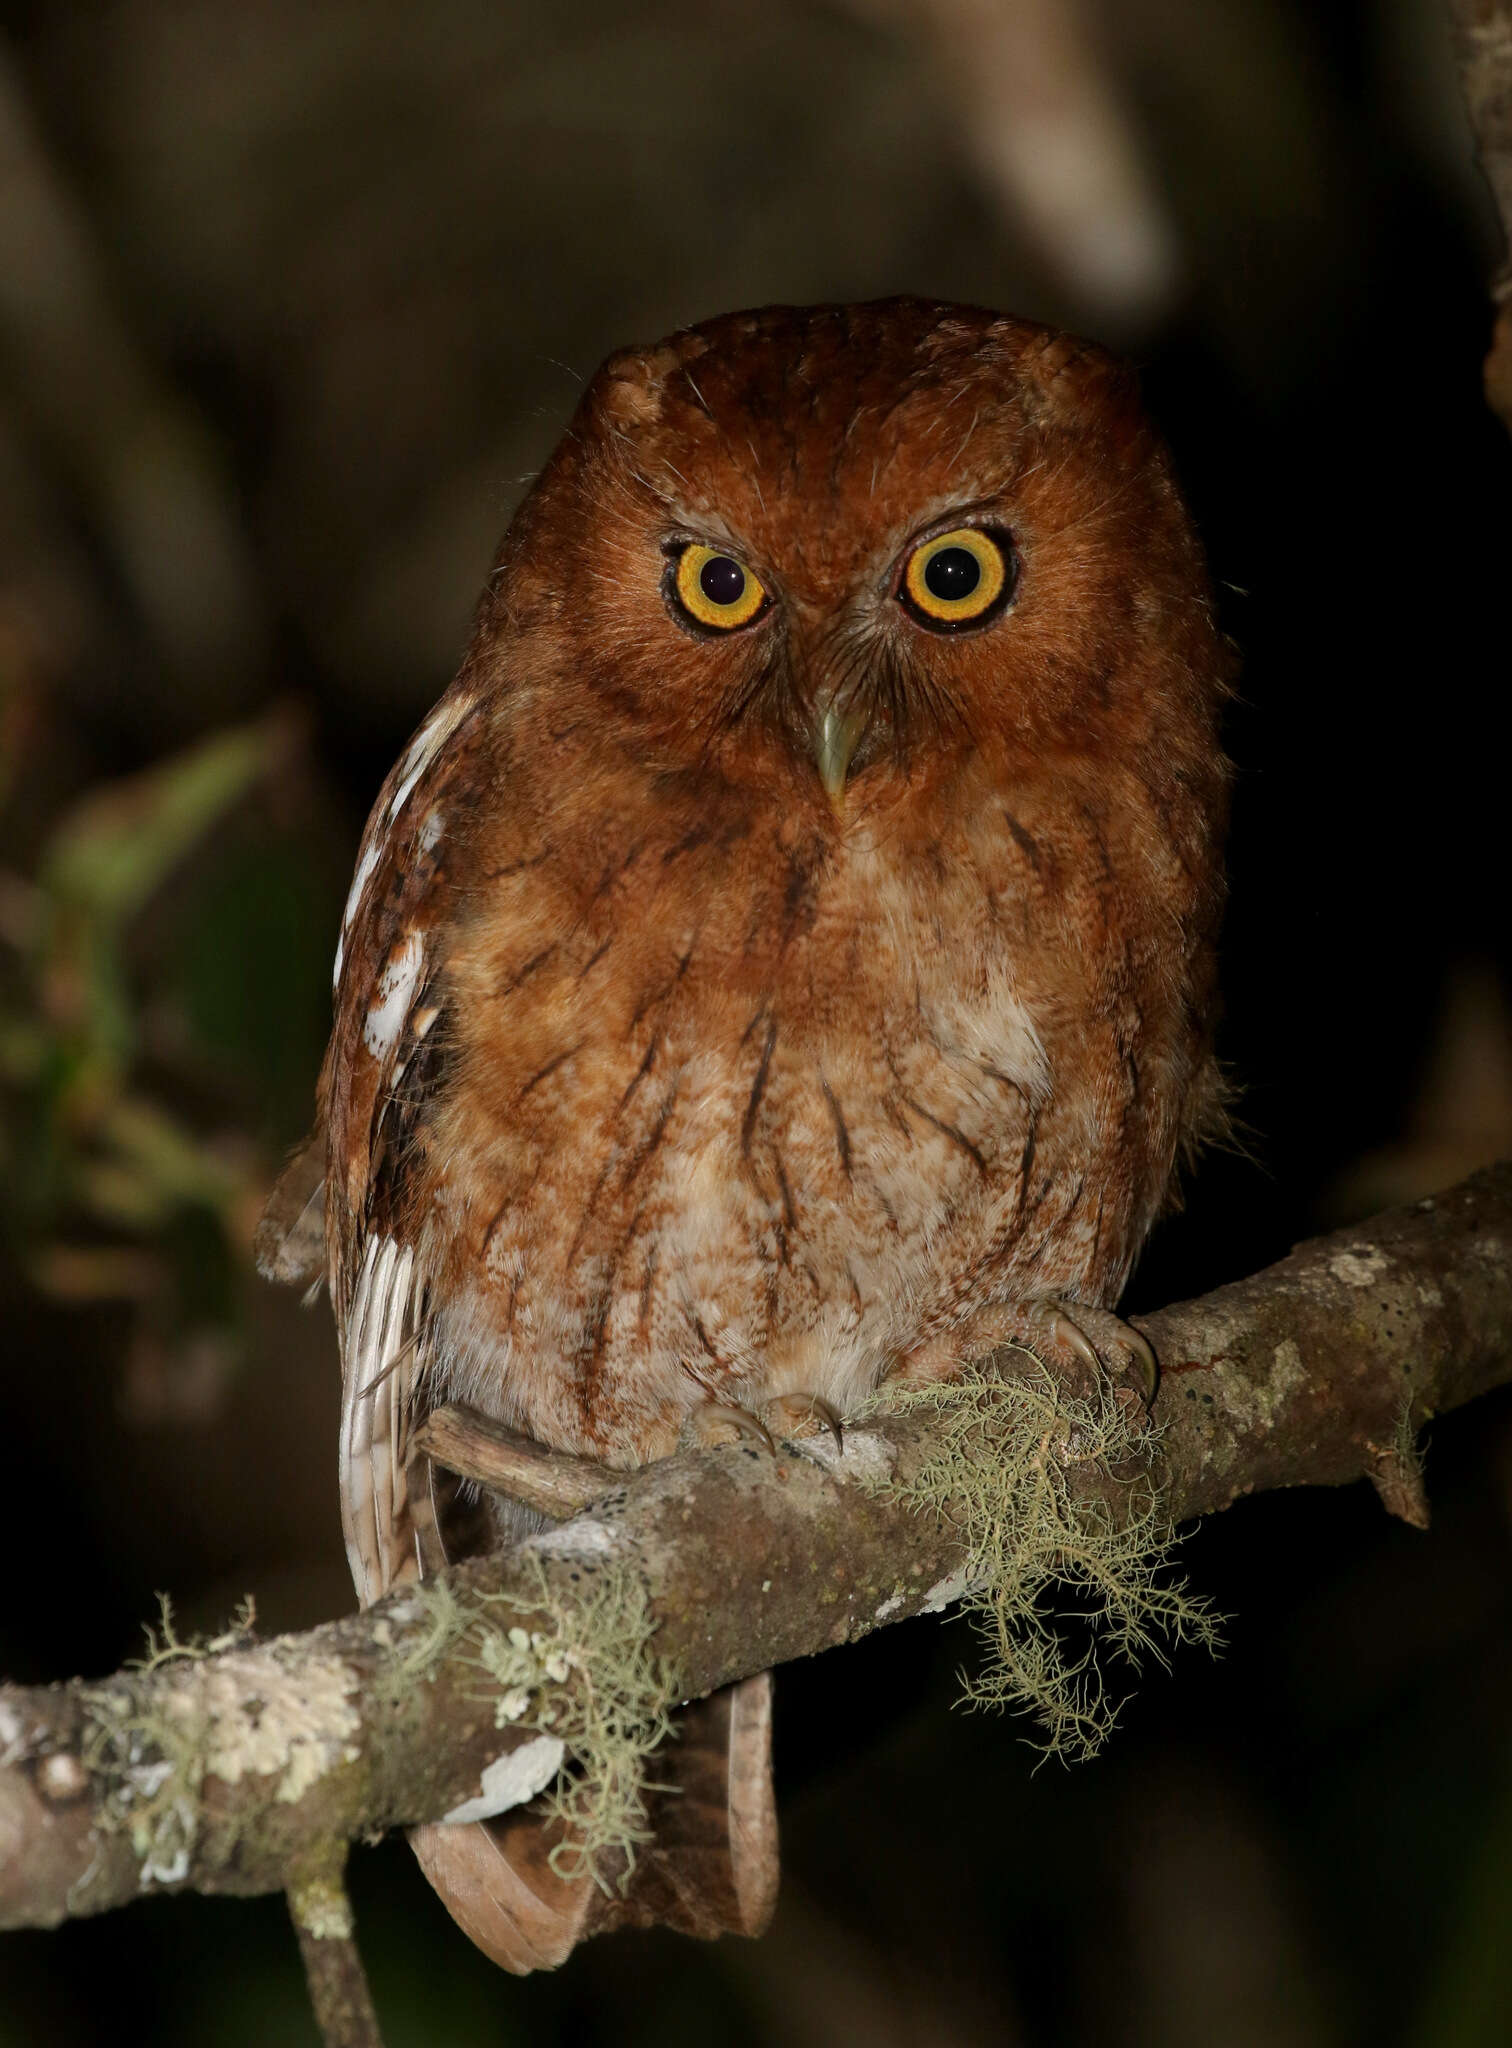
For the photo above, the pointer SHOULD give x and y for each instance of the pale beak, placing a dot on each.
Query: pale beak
(836, 735)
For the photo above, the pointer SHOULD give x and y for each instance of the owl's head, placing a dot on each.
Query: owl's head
(831, 552)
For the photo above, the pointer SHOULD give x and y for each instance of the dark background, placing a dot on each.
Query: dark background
(292, 299)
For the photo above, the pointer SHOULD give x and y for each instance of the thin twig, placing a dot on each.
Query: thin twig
(322, 1915)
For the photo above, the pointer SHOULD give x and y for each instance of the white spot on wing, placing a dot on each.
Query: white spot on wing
(366, 863)
(431, 830)
(396, 992)
(425, 746)
(365, 867)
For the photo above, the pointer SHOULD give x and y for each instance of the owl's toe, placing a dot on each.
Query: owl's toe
(1085, 1348)
(721, 1422)
(1104, 1346)
(803, 1415)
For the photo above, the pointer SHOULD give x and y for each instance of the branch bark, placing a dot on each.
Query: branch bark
(322, 1916)
(1315, 1372)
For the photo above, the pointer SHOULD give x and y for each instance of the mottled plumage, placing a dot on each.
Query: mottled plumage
(726, 1014)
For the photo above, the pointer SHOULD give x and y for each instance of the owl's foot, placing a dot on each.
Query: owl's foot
(786, 1415)
(721, 1422)
(803, 1415)
(1085, 1348)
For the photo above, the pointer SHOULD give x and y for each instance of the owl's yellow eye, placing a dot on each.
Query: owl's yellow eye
(716, 590)
(959, 577)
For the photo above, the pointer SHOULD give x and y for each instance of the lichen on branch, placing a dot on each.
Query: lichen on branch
(996, 1468)
(589, 1686)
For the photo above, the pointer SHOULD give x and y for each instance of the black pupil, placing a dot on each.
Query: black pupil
(952, 574)
(721, 580)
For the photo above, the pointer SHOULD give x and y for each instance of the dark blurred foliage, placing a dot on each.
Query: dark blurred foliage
(291, 299)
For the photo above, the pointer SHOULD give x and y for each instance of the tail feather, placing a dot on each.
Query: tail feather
(709, 1866)
(709, 1869)
(494, 1878)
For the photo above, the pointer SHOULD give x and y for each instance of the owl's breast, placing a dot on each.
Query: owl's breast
(764, 1119)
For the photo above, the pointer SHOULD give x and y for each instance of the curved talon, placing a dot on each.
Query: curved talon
(750, 1426)
(830, 1417)
(1144, 1355)
(1075, 1339)
(816, 1405)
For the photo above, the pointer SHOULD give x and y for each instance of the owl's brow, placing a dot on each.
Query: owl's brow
(696, 392)
(1093, 512)
(965, 442)
(629, 470)
(631, 474)
(755, 478)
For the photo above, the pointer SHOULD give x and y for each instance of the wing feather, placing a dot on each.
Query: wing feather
(377, 1376)
(290, 1243)
(392, 951)
(712, 1867)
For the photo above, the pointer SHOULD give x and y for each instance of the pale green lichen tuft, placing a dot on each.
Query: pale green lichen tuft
(166, 1646)
(151, 1765)
(321, 1907)
(997, 1468)
(151, 1746)
(1407, 1446)
(590, 1678)
(151, 1762)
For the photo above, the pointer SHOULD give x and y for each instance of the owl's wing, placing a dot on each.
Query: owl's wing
(711, 1867)
(381, 1073)
(290, 1245)
(380, 1360)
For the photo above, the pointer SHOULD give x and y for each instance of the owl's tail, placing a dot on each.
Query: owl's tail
(710, 1869)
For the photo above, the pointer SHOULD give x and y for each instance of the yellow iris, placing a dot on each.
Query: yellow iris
(717, 590)
(957, 576)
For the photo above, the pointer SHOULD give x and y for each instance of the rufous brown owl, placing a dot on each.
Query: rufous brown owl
(785, 955)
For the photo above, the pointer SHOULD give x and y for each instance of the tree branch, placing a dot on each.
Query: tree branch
(226, 1770)
(322, 1916)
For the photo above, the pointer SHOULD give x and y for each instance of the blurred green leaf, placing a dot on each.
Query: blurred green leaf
(118, 845)
(113, 1029)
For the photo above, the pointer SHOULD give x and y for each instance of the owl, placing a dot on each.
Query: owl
(784, 958)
